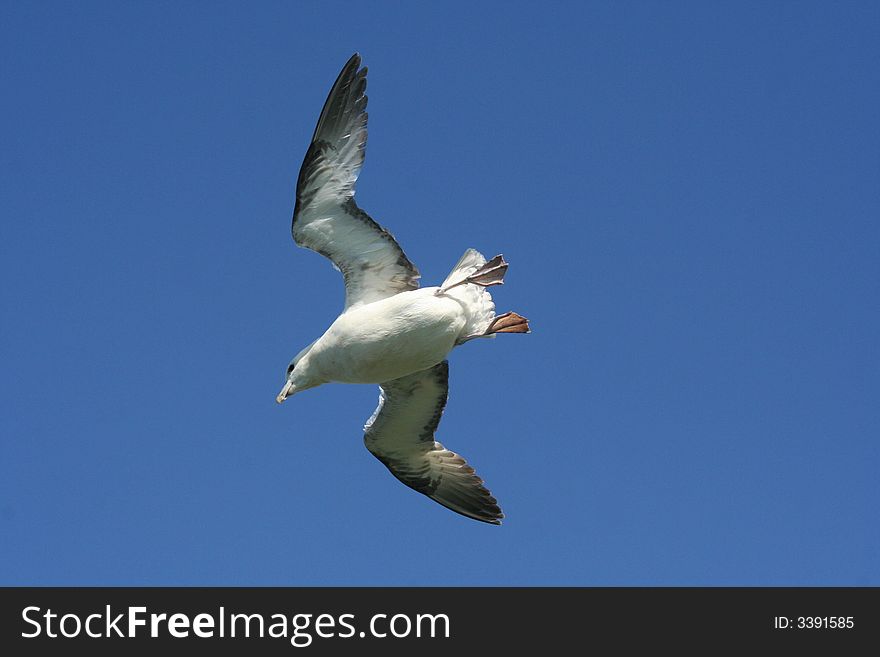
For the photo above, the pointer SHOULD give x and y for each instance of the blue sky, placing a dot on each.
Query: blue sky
(688, 195)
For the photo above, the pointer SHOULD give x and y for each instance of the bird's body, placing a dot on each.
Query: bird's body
(388, 339)
(391, 332)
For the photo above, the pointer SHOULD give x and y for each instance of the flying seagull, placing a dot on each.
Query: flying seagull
(391, 332)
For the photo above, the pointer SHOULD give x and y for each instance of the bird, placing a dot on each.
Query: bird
(391, 332)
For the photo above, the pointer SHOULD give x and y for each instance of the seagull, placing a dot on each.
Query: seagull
(391, 332)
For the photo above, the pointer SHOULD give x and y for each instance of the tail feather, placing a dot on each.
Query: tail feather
(482, 321)
(470, 262)
(487, 274)
(474, 298)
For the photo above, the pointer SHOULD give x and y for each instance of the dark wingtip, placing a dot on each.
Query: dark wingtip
(493, 519)
(486, 510)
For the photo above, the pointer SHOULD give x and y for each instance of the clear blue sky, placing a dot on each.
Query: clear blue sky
(688, 195)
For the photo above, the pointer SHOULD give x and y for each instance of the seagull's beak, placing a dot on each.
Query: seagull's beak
(286, 392)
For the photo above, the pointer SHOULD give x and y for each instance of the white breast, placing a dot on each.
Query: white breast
(390, 338)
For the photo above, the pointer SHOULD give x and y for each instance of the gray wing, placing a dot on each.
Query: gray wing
(326, 218)
(401, 435)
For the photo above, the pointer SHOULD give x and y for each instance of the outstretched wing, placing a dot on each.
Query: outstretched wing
(326, 218)
(401, 435)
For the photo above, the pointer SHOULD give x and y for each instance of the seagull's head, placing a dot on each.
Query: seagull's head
(298, 376)
(289, 387)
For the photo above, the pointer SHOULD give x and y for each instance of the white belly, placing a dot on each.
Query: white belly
(390, 338)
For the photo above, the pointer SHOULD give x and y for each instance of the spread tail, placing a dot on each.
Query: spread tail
(471, 270)
(482, 321)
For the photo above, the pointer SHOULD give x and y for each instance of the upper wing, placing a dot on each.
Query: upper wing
(401, 435)
(326, 218)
